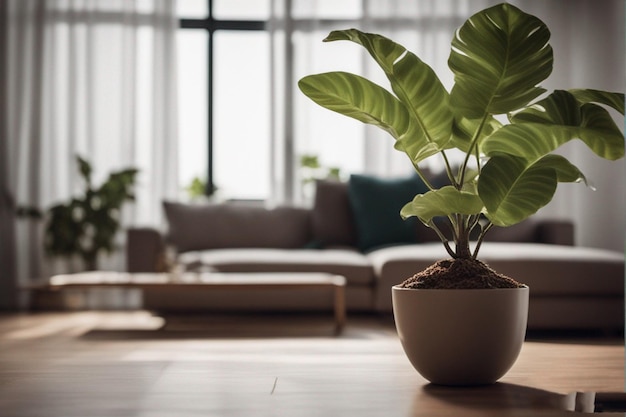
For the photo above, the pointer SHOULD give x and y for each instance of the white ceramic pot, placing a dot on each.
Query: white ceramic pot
(461, 337)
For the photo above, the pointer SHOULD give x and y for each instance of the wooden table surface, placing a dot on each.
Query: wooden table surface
(188, 279)
(110, 364)
(203, 281)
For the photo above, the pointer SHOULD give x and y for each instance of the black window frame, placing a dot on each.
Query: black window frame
(212, 25)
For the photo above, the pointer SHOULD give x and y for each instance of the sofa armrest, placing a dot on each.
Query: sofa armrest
(145, 250)
(556, 232)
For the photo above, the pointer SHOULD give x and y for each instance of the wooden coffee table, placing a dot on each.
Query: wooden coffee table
(209, 280)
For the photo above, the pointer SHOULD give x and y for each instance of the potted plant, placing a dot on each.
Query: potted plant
(86, 225)
(459, 321)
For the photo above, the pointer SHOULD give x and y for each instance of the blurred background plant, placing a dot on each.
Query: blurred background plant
(87, 224)
(311, 170)
(196, 188)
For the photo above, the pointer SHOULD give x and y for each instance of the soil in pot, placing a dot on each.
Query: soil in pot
(459, 274)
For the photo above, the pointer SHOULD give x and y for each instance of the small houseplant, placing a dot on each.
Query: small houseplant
(311, 170)
(499, 57)
(87, 224)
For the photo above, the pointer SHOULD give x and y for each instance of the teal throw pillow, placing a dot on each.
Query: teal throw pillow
(376, 204)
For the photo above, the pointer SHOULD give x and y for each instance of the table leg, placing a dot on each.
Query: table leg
(340, 307)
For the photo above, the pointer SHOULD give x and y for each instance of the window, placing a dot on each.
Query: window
(241, 9)
(193, 104)
(244, 124)
(241, 112)
(224, 97)
(227, 91)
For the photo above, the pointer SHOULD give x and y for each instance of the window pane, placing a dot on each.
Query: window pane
(192, 9)
(241, 141)
(193, 105)
(241, 9)
(327, 9)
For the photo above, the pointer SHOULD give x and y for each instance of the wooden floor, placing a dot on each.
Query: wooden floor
(110, 364)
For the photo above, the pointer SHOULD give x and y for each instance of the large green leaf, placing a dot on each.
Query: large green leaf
(359, 98)
(416, 85)
(384, 51)
(512, 191)
(498, 57)
(565, 170)
(614, 100)
(559, 108)
(442, 202)
(464, 129)
(552, 122)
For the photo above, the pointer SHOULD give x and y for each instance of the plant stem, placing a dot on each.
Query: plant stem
(449, 169)
(443, 238)
(422, 176)
(481, 237)
(462, 247)
(470, 150)
(462, 237)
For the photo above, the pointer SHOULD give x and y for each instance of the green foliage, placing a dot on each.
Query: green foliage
(310, 161)
(197, 188)
(87, 224)
(313, 169)
(499, 57)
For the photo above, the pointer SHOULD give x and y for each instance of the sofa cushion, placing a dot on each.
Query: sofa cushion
(331, 217)
(526, 231)
(354, 266)
(376, 204)
(233, 225)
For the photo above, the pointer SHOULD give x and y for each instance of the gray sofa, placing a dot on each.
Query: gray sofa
(571, 287)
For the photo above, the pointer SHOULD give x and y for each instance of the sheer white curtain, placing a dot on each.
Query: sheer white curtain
(89, 77)
(588, 39)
